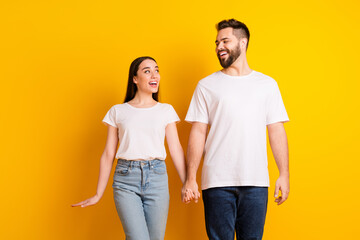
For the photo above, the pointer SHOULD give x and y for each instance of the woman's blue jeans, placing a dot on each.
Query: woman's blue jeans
(141, 195)
(240, 209)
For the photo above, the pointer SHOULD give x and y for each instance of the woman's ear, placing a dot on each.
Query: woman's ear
(135, 80)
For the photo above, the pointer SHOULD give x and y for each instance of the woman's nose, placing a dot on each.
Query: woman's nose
(154, 74)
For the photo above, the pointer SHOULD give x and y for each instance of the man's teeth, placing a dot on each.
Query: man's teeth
(222, 54)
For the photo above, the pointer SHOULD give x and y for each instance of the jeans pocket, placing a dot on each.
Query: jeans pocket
(122, 170)
(160, 168)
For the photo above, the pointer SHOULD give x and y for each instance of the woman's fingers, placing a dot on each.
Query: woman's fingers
(79, 204)
(88, 202)
(189, 195)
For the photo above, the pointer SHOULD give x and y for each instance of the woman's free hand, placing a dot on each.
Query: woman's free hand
(88, 202)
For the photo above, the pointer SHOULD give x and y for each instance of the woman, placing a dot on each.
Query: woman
(140, 183)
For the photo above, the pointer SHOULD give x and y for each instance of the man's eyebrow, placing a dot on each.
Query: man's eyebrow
(225, 38)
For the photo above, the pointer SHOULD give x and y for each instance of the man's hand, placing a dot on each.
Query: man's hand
(190, 192)
(282, 184)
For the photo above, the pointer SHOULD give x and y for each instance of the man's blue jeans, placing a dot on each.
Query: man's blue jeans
(240, 209)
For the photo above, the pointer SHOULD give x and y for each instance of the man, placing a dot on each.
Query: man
(238, 104)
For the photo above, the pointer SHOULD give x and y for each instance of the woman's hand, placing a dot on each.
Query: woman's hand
(187, 196)
(88, 202)
(190, 192)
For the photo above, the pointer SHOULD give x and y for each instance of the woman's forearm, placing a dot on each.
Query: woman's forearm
(106, 162)
(176, 150)
(178, 157)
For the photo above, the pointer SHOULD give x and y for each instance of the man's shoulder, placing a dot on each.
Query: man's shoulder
(263, 76)
(213, 79)
(209, 79)
(263, 79)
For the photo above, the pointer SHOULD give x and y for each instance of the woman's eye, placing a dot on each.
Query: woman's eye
(147, 71)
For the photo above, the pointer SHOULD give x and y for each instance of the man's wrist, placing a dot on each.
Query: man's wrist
(190, 179)
(284, 175)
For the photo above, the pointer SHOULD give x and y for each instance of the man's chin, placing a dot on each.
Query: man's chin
(224, 64)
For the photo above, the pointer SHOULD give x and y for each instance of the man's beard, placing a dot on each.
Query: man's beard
(233, 55)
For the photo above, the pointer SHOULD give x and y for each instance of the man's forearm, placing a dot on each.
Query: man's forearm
(279, 146)
(195, 149)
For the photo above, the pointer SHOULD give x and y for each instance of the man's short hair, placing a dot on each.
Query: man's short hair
(240, 30)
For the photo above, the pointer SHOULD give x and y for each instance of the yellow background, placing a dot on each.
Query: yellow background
(65, 63)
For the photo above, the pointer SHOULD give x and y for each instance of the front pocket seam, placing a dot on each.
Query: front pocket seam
(123, 172)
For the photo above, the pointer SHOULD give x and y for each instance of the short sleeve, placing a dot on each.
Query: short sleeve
(110, 117)
(171, 115)
(197, 111)
(276, 109)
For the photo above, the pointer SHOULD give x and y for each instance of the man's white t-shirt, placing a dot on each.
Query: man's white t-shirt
(237, 108)
(141, 131)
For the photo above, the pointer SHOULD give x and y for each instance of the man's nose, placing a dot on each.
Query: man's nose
(219, 46)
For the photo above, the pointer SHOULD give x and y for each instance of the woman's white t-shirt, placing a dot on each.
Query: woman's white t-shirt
(141, 131)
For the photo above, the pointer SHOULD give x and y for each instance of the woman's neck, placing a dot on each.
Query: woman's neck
(142, 100)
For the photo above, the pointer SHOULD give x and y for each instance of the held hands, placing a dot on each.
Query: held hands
(190, 192)
(282, 184)
(88, 202)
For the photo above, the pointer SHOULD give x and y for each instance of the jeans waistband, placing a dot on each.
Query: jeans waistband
(138, 163)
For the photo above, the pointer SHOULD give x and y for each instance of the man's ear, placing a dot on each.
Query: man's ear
(243, 43)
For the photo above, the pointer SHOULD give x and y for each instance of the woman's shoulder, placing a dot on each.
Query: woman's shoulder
(118, 107)
(166, 106)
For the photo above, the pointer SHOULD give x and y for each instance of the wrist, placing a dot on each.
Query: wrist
(284, 175)
(190, 179)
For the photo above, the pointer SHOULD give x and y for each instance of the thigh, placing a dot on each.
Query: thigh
(128, 202)
(252, 207)
(156, 200)
(130, 210)
(220, 212)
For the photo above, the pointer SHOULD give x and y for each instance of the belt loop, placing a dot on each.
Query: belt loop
(150, 164)
(131, 164)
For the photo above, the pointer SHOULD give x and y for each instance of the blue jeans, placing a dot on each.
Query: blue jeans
(141, 195)
(240, 209)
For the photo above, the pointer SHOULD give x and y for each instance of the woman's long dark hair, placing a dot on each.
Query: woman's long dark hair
(131, 87)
